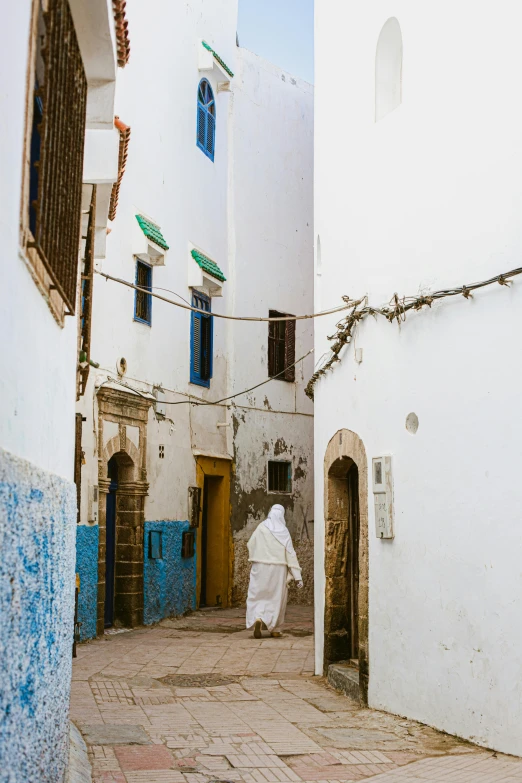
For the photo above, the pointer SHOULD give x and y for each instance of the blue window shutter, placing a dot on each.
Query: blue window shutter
(211, 135)
(206, 119)
(202, 115)
(201, 342)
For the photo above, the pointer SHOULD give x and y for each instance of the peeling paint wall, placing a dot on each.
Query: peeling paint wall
(37, 530)
(87, 568)
(169, 582)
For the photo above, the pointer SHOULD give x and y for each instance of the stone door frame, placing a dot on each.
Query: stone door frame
(126, 410)
(346, 445)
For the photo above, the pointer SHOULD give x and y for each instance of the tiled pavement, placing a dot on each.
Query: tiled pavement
(267, 721)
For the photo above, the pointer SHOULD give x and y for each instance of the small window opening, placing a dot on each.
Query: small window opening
(162, 452)
(155, 545)
(188, 540)
(206, 123)
(201, 341)
(281, 347)
(280, 477)
(143, 300)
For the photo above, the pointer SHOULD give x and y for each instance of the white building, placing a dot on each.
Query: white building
(417, 188)
(58, 64)
(214, 210)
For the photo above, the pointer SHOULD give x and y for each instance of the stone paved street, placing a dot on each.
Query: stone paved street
(198, 699)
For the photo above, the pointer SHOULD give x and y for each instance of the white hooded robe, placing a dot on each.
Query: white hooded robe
(274, 565)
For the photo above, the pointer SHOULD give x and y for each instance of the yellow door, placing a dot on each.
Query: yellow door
(214, 541)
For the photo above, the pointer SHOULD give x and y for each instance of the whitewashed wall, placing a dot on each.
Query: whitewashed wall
(271, 262)
(427, 198)
(250, 210)
(38, 357)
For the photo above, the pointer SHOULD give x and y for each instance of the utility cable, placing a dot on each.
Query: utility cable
(245, 391)
(147, 291)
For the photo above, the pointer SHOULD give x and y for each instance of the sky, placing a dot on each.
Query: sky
(281, 31)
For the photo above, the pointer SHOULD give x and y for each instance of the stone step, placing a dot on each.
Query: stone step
(344, 678)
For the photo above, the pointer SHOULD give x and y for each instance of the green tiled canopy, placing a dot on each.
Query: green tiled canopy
(218, 58)
(152, 232)
(208, 265)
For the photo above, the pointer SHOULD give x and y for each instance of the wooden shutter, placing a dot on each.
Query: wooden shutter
(196, 346)
(206, 348)
(59, 202)
(211, 134)
(202, 117)
(290, 351)
(272, 344)
(78, 463)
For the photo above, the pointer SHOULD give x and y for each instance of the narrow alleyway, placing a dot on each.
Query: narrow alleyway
(198, 699)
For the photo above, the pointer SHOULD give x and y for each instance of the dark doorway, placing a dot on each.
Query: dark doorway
(342, 564)
(212, 543)
(110, 549)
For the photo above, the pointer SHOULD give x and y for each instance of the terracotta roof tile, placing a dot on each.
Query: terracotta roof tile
(125, 132)
(122, 32)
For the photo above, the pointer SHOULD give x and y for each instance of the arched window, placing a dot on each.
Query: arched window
(206, 132)
(388, 69)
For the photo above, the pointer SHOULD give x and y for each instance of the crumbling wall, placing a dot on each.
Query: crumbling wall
(305, 554)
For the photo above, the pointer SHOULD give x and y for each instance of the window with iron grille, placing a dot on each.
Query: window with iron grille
(281, 347)
(56, 149)
(143, 300)
(206, 121)
(201, 341)
(279, 477)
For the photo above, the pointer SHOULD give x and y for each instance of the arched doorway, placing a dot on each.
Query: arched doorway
(342, 564)
(346, 555)
(121, 545)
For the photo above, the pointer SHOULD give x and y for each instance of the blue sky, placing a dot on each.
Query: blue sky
(281, 31)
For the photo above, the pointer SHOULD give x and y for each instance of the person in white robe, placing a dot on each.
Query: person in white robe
(274, 566)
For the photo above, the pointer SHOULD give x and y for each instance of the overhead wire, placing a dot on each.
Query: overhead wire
(339, 309)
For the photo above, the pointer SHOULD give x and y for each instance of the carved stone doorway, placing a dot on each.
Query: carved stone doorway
(122, 481)
(346, 555)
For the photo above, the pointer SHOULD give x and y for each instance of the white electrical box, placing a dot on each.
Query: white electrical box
(93, 504)
(383, 496)
(159, 406)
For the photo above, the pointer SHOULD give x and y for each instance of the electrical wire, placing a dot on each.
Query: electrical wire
(245, 391)
(199, 401)
(339, 309)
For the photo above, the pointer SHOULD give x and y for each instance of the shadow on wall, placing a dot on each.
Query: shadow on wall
(305, 554)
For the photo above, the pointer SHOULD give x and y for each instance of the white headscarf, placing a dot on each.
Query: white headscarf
(275, 522)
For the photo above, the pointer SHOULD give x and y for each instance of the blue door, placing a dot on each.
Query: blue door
(110, 546)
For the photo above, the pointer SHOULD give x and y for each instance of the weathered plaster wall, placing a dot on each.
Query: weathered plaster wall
(37, 529)
(305, 554)
(87, 568)
(445, 637)
(170, 582)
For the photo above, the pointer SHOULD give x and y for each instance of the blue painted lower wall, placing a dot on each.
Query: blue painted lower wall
(170, 582)
(37, 535)
(87, 568)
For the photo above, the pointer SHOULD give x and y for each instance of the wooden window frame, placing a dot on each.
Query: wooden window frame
(281, 347)
(48, 273)
(147, 298)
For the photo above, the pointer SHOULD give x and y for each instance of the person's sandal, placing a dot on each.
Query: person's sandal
(257, 629)
(276, 634)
